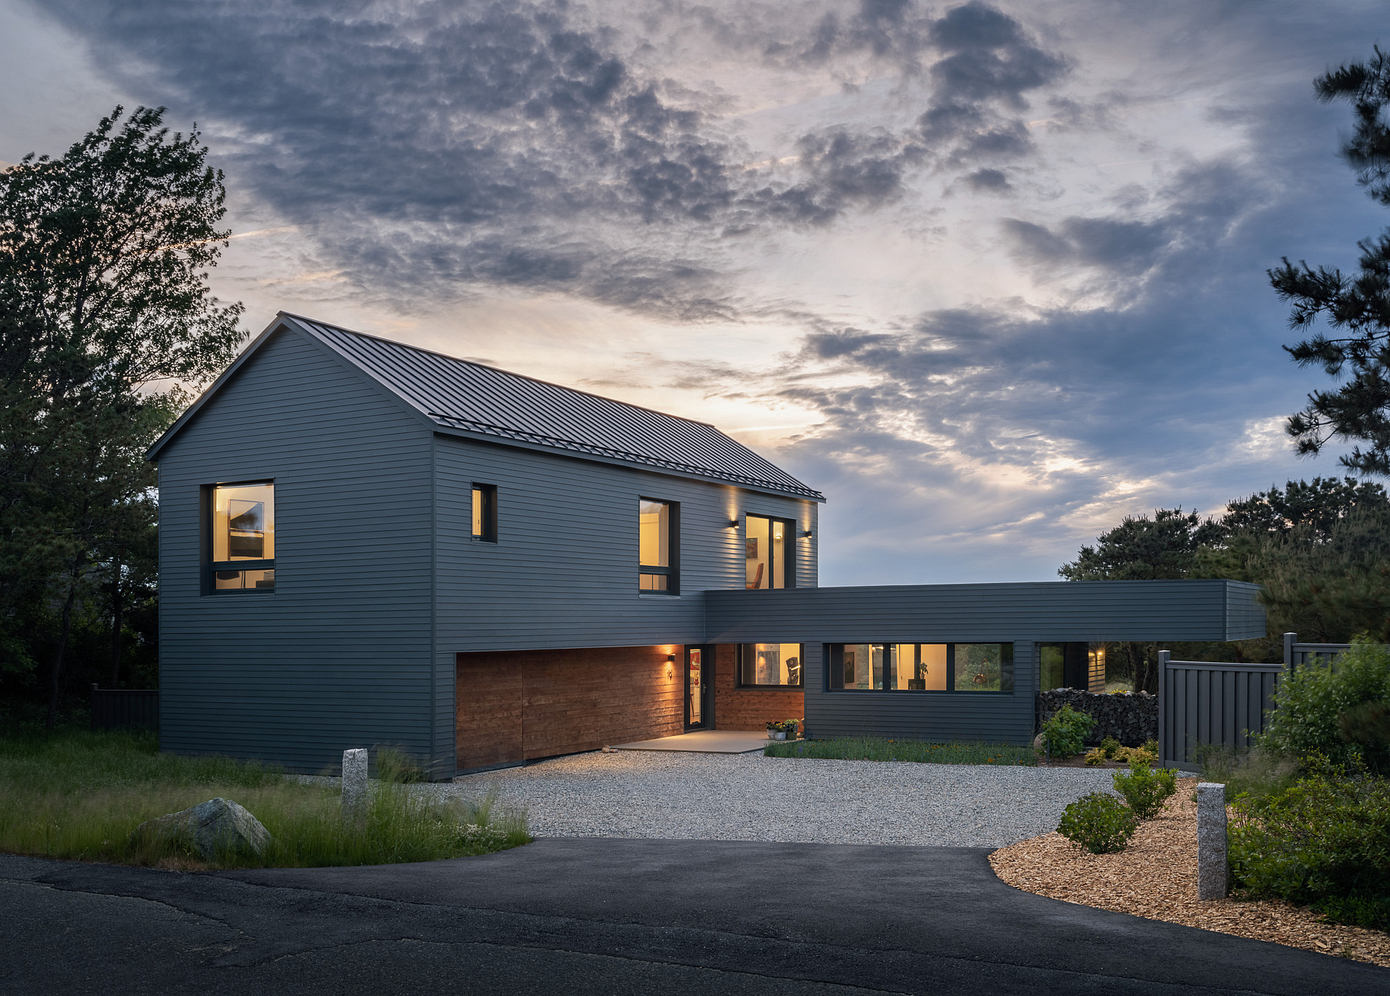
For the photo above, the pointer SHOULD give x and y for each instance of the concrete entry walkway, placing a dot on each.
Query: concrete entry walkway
(704, 742)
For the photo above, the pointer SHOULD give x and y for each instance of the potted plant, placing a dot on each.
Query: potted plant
(775, 731)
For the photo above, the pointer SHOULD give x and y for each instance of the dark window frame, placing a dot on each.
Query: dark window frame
(744, 648)
(487, 494)
(788, 547)
(672, 572)
(834, 665)
(210, 568)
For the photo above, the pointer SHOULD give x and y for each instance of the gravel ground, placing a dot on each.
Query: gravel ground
(752, 797)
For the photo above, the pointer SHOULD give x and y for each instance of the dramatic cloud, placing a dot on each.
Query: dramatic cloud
(990, 274)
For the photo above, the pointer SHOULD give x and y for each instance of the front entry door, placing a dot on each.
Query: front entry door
(697, 685)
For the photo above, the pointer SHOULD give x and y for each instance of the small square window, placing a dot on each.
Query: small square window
(485, 512)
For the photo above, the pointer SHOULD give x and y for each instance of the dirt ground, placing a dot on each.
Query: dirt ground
(1156, 877)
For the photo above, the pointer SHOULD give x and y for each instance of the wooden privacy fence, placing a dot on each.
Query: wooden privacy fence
(1220, 704)
(1206, 703)
(125, 708)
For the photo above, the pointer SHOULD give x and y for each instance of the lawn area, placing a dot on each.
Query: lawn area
(79, 794)
(877, 749)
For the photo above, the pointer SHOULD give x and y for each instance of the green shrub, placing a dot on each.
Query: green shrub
(1323, 841)
(1367, 728)
(1064, 734)
(1145, 788)
(1109, 747)
(1311, 701)
(1098, 822)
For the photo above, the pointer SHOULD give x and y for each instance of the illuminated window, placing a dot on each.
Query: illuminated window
(767, 557)
(485, 512)
(770, 665)
(242, 549)
(658, 552)
(921, 667)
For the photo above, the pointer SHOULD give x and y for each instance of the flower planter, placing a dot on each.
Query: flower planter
(777, 734)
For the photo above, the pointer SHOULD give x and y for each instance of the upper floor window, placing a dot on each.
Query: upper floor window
(658, 552)
(767, 558)
(242, 550)
(485, 512)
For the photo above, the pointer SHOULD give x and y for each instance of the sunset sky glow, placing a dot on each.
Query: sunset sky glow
(989, 275)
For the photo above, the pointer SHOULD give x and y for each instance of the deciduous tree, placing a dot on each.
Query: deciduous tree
(104, 311)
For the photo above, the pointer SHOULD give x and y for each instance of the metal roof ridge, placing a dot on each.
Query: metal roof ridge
(487, 366)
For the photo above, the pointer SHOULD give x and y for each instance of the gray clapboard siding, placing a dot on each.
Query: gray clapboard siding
(1041, 611)
(339, 655)
(563, 572)
(1023, 614)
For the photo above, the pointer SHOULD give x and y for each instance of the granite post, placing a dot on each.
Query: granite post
(355, 787)
(1211, 840)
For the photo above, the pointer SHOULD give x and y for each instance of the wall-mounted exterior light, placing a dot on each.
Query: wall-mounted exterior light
(733, 523)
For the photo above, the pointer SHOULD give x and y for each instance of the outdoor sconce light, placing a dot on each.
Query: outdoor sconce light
(733, 523)
(670, 658)
(806, 533)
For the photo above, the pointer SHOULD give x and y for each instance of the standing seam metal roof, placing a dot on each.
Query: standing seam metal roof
(469, 397)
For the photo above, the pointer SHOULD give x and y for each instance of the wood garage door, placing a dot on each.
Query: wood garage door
(518, 706)
(491, 701)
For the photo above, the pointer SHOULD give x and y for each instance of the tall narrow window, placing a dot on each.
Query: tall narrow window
(485, 512)
(242, 548)
(658, 552)
(767, 557)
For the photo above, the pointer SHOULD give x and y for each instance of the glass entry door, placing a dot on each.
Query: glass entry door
(696, 689)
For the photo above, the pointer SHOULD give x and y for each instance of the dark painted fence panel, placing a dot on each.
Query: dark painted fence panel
(1207, 703)
(1219, 704)
(125, 708)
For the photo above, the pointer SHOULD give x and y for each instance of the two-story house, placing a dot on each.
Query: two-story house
(365, 542)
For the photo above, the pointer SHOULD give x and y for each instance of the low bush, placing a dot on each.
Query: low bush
(1098, 822)
(1145, 788)
(1064, 733)
(1323, 841)
(1097, 756)
(1109, 747)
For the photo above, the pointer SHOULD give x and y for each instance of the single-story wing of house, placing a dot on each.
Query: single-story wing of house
(362, 542)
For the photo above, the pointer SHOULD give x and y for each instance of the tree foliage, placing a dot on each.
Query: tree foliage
(1320, 550)
(104, 312)
(1356, 307)
(1141, 548)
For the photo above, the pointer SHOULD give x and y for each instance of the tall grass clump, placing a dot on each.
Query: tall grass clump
(79, 794)
(879, 749)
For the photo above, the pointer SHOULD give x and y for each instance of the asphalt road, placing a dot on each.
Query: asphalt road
(616, 916)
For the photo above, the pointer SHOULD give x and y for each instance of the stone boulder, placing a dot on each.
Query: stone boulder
(212, 829)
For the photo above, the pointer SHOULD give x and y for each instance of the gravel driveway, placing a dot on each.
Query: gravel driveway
(752, 797)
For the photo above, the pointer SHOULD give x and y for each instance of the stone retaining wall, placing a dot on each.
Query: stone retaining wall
(1129, 717)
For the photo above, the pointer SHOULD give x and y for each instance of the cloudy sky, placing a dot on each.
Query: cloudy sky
(990, 275)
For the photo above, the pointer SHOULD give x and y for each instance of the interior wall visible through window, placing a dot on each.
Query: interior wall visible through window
(767, 554)
(243, 537)
(657, 553)
(770, 665)
(920, 667)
